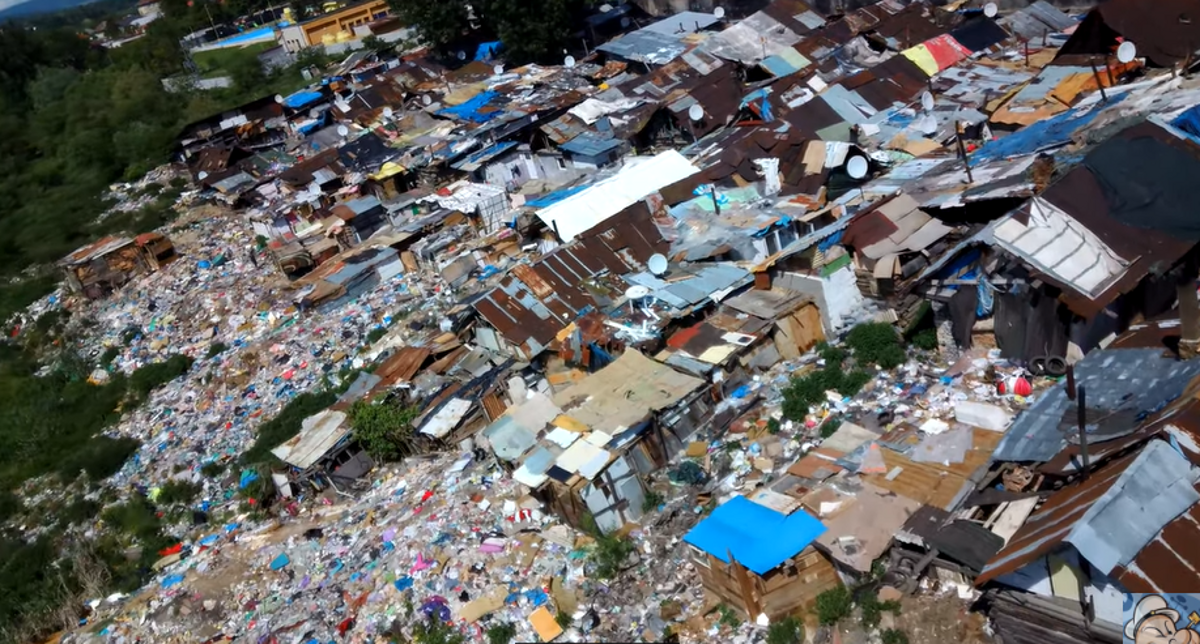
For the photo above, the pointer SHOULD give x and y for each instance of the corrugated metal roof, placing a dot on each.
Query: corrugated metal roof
(477, 160)
(447, 418)
(646, 47)
(1169, 561)
(1132, 380)
(1109, 517)
(704, 284)
(319, 433)
(591, 144)
(639, 177)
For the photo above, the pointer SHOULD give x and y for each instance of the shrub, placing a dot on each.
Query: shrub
(831, 353)
(829, 427)
(78, 511)
(502, 633)
(894, 636)
(173, 492)
(136, 517)
(651, 501)
(435, 631)
(153, 376)
(375, 334)
(926, 340)
(109, 355)
(834, 605)
(808, 390)
(212, 470)
(100, 457)
(872, 609)
(384, 430)
(876, 343)
(609, 553)
(10, 506)
(774, 426)
(563, 620)
(216, 349)
(786, 631)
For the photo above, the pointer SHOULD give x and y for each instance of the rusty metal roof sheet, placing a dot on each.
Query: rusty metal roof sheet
(402, 366)
(98, 248)
(1156, 485)
(1158, 28)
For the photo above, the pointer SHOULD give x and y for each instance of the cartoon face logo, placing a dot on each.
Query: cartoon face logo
(1154, 622)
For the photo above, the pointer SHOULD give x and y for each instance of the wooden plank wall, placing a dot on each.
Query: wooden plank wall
(787, 590)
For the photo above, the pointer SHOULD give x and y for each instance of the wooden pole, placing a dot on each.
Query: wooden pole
(962, 150)
(1100, 83)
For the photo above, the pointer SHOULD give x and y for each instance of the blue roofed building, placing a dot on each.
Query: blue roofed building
(761, 561)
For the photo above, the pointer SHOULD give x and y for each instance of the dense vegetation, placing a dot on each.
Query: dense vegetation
(451, 24)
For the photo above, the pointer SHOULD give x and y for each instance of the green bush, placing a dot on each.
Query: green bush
(212, 470)
(786, 631)
(109, 355)
(435, 631)
(871, 609)
(501, 633)
(609, 552)
(286, 424)
(651, 501)
(173, 492)
(894, 636)
(808, 390)
(153, 376)
(384, 430)
(831, 353)
(136, 517)
(375, 334)
(10, 506)
(78, 511)
(834, 605)
(876, 343)
(830, 427)
(216, 349)
(100, 457)
(926, 340)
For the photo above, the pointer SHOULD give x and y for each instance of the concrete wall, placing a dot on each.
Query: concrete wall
(517, 168)
(837, 295)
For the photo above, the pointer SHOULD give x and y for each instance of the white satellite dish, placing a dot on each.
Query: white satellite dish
(569, 62)
(636, 292)
(719, 13)
(605, 8)
(927, 124)
(695, 112)
(498, 69)
(343, 130)
(202, 175)
(927, 101)
(426, 100)
(387, 112)
(856, 167)
(990, 9)
(657, 263)
(1126, 52)
(279, 98)
(462, 55)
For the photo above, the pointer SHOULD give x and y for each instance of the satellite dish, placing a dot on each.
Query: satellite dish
(927, 124)
(498, 69)
(927, 101)
(202, 175)
(636, 292)
(695, 112)
(462, 55)
(387, 112)
(856, 167)
(1126, 52)
(343, 130)
(719, 13)
(569, 62)
(426, 100)
(279, 98)
(657, 263)
(990, 9)
(605, 8)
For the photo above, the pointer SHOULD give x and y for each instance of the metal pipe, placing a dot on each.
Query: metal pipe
(1070, 382)
(1083, 447)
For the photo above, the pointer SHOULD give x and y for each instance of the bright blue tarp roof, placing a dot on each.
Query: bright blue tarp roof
(302, 98)
(759, 538)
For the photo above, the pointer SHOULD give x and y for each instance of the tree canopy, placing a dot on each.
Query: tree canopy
(530, 30)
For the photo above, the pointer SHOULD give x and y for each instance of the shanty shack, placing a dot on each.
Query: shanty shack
(583, 451)
(98, 269)
(324, 450)
(760, 561)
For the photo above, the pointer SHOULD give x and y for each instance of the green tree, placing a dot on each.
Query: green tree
(384, 430)
(542, 40)
(440, 22)
(375, 43)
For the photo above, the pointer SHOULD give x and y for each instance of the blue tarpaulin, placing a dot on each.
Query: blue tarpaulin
(248, 477)
(1189, 122)
(760, 538)
(545, 201)
(487, 50)
(302, 98)
(172, 580)
(1048, 133)
(280, 561)
(470, 111)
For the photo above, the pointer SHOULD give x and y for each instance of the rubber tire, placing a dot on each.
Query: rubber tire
(1056, 366)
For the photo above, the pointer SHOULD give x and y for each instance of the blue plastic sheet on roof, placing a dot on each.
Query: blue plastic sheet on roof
(487, 50)
(548, 200)
(830, 241)
(1189, 122)
(759, 538)
(1052, 132)
(302, 98)
(470, 111)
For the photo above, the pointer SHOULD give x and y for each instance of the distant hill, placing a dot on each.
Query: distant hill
(34, 7)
